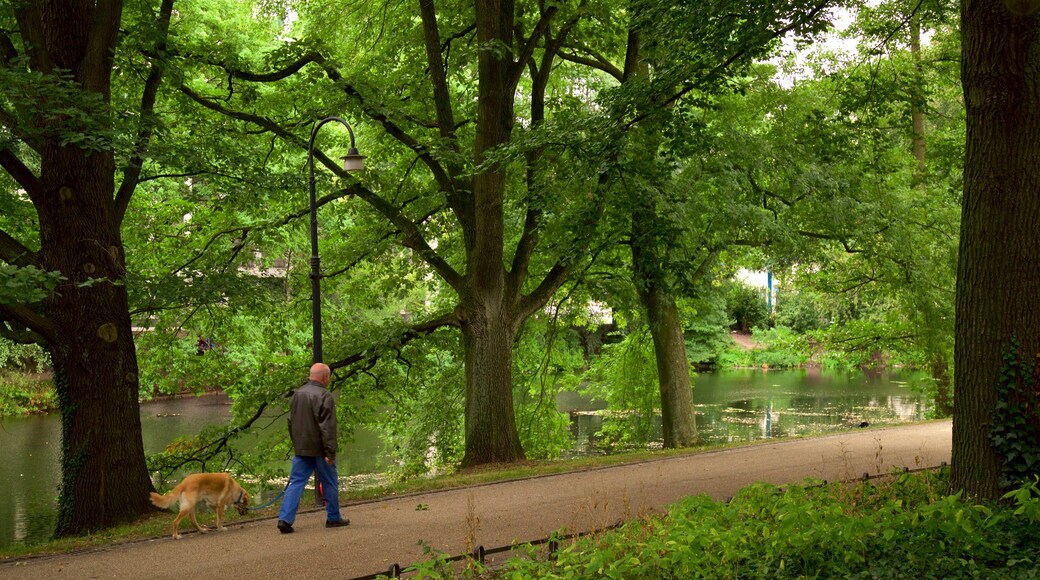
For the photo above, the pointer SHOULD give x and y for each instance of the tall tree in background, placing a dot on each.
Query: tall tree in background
(909, 79)
(56, 59)
(997, 298)
(674, 55)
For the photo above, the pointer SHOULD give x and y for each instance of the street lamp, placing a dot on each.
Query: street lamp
(352, 162)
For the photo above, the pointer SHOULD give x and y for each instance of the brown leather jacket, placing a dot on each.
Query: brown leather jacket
(312, 421)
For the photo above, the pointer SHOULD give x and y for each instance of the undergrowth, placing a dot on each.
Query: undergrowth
(906, 525)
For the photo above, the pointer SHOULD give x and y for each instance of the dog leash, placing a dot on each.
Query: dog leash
(260, 507)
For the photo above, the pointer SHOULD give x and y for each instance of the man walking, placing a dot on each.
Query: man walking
(312, 428)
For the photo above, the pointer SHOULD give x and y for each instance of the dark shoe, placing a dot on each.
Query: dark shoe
(339, 524)
(284, 527)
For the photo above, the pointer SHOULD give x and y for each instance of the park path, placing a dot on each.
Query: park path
(388, 531)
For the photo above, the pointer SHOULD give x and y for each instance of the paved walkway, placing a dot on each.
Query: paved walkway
(388, 531)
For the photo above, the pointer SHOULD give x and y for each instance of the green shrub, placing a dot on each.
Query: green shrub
(1015, 431)
(22, 394)
(746, 306)
(28, 358)
(799, 312)
(898, 528)
(779, 347)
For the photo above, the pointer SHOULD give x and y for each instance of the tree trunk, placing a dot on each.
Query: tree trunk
(999, 265)
(917, 99)
(104, 477)
(673, 368)
(650, 277)
(678, 423)
(488, 327)
(491, 434)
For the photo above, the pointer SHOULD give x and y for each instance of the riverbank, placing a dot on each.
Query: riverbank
(23, 393)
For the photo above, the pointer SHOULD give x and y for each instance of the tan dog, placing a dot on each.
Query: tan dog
(218, 490)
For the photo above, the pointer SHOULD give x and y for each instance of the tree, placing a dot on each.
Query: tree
(999, 263)
(673, 57)
(472, 181)
(59, 147)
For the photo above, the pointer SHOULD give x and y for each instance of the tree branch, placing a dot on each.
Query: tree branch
(540, 29)
(14, 252)
(22, 175)
(132, 172)
(559, 272)
(443, 107)
(271, 224)
(439, 173)
(721, 68)
(525, 247)
(412, 236)
(96, 67)
(596, 61)
(409, 334)
(24, 316)
(20, 335)
(831, 237)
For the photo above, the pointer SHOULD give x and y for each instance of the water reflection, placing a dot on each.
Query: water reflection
(747, 405)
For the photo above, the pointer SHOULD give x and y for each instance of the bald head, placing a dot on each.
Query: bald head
(320, 372)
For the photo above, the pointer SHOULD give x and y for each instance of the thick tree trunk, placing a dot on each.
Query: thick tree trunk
(491, 434)
(488, 327)
(104, 477)
(997, 297)
(678, 423)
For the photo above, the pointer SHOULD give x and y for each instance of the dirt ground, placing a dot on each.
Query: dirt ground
(743, 339)
(390, 531)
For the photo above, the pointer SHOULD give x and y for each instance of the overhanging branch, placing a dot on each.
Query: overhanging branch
(22, 175)
(411, 235)
(14, 252)
(132, 172)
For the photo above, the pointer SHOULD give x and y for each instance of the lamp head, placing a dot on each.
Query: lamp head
(353, 161)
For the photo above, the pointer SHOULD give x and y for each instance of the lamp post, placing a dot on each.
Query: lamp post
(352, 162)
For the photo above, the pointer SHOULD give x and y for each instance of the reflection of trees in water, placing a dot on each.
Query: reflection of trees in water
(31, 446)
(752, 405)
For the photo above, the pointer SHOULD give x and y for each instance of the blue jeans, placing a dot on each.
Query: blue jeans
(302, 468)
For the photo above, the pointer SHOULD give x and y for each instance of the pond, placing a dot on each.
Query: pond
(730, 406)
(747, 405)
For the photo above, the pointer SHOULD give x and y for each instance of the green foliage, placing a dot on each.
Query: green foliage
(415, 401)
(26, 284)
(22, 393)
(545, 360)
(897, 528)
(704, 321)
(798, 311)
(1015, 431)
(625, 376)
(746, 306)
(777, 347)
(30, 358)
